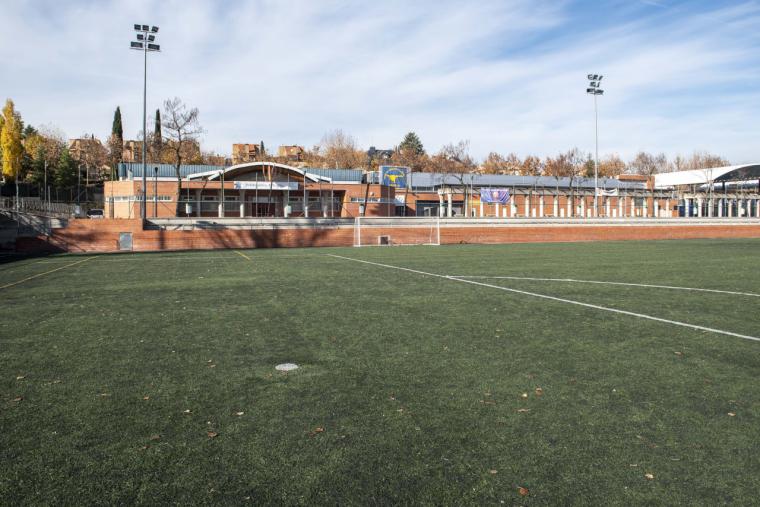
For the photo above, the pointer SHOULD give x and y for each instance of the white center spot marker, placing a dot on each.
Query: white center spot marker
(286, 367)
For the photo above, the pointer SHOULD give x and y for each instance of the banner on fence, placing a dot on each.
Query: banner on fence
(607, 193)
(494, 195)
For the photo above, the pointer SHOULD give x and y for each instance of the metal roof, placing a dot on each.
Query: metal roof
(164, 170)
(425, 180)
(349, 175)
(708, 175)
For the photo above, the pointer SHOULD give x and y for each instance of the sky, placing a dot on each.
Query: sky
(505, 75)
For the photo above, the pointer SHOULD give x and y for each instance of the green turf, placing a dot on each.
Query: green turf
(416, 381)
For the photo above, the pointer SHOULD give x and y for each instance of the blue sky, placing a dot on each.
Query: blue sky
(507, 75)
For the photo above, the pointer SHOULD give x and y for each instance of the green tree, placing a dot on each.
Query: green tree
(66, 173)
(411, 144)
(157, 145)
(10, 141)
(116, 141)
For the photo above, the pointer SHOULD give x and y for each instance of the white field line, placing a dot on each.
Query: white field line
(673, 287)
(553, 298)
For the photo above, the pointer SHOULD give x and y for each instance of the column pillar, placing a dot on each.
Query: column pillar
(449, 207)
(441, 211)
(220, 206)
(720, 208)
(198, 202)
(668, 214)
(541, 206)
(556, 206)
(583, 206)
(306, 205)
(620, 199)
(481, 209)
(513, 206)
(569, 206)
(729, 208)
(242, 204)
(710, 203)
(607, 207)
(757, 208)
(699, 207)
(645, 210)
(656, 208)
(633, 206)
(526, 198)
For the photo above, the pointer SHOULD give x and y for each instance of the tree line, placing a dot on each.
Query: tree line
(35, 155)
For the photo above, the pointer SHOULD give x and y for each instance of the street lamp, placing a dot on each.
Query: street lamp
(595, 83)
(155, 192)
(146, 35)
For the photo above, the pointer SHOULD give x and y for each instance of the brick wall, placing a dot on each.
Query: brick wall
(103, 235)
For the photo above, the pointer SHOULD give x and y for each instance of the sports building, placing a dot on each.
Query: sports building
(269, 189)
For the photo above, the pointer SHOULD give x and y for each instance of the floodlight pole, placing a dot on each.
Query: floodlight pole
(144, 38)
(595, 90)
(143, 211)
(596, 159)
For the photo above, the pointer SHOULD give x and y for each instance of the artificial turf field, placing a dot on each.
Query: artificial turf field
(149, 378)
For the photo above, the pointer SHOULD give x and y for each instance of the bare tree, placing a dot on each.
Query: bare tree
(340, 150)
(647, 164)
(180, 130)
(611, 166)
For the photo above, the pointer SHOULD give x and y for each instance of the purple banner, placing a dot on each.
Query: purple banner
(494, 195)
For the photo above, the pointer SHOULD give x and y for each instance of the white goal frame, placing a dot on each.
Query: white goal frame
(429, 231)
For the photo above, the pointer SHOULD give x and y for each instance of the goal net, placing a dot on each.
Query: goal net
(397, 231)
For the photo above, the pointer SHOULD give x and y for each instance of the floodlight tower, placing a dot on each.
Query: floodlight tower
(146, 36)
(595, 83)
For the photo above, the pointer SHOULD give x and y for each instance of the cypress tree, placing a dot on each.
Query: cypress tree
(116, 142)
(116, 129)
(157, 138)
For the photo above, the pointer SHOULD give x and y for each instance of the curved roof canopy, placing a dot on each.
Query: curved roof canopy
(706, 176)
(236, 170)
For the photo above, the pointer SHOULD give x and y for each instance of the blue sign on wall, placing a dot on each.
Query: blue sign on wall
(393, 176)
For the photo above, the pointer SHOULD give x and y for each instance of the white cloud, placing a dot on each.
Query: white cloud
(507, 75)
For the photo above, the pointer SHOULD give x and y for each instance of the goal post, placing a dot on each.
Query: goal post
(398, 231)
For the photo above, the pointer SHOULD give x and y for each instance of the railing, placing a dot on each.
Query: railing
(37, 206)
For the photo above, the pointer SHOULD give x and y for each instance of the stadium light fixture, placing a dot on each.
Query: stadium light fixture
(595, 89)
(145, 47)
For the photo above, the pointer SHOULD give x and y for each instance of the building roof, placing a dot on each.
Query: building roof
(197, 171)
(708, 175)
(238, 169)
(428, 180)
(164, 170)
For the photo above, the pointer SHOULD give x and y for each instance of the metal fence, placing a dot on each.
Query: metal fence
(36, 205)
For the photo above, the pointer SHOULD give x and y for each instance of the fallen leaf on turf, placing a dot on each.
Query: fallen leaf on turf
(731, 414)
(539, 391)
(21, 377)
(649, 476)
(523, 410)
(212, 434)
(56, 382)
(155, 437)
(523, 491)
(239, 413)
(492, 472)
(18, 399)
(524, 395)
(187, 411)
(678, 353)
(210, 361)
(318, 429)
(146, 398)
(212, 366)
(105, 394)
(488, 402)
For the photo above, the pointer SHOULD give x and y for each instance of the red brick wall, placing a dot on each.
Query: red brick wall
(103, 235)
